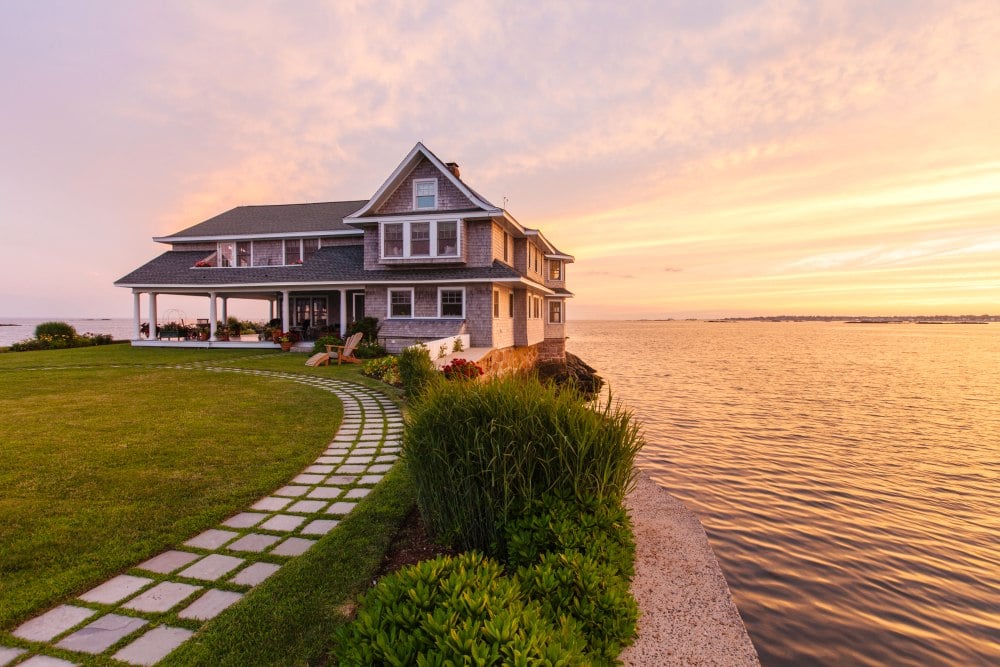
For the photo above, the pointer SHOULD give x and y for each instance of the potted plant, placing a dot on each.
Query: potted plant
(285, 340)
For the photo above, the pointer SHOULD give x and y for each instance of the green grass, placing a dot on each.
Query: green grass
(105, 466)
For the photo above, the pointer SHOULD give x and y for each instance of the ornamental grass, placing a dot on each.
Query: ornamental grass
(483, 452)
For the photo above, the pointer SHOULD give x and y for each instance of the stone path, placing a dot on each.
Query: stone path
(140, 616)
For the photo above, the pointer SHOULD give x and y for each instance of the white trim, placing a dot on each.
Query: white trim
(388, 303)
(414, 188)
(256, 287)
(251, 237)
(563, 257)
(450, 288)
(402, 170)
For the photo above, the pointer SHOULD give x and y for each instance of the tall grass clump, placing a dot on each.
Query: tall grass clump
(483, 452)
(416, 370)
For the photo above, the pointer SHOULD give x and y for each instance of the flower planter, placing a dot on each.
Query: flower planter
(286, 347)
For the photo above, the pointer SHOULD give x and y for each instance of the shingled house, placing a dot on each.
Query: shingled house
(427, 256)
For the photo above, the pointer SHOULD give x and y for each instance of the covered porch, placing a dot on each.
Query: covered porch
(308, 312)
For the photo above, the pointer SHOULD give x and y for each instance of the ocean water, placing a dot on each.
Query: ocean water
(848, 476)
(14, 329)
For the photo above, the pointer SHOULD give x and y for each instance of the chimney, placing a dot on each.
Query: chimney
(453, 168)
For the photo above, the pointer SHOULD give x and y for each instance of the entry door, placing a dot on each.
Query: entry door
(359, 305)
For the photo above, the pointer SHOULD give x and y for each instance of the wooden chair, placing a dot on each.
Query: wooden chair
(345, 352)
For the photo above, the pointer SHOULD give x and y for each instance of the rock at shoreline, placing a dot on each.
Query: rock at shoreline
(573, 371)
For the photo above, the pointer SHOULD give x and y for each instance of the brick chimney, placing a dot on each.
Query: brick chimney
(453, 168)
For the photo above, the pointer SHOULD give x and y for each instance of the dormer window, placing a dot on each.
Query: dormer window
(425, 191)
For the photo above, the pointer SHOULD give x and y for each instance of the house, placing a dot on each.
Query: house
(428, 256)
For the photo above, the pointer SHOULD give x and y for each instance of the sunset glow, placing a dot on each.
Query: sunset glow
(703, 159)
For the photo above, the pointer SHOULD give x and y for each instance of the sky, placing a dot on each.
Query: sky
(699, 159)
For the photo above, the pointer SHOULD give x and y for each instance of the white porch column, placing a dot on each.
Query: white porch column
(343, 312)
(211, 316)
(152, 316)
(225, 308)
(270, 309)
(136, 329)
(284, 310)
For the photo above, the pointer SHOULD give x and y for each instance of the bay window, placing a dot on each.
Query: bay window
(447, 238)
(555, 312)
(392, 244)
(420, 239)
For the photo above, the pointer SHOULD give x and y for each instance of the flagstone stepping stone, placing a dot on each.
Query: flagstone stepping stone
(52, 623)
(307, 506)
(319, 527)
(327, 492)
(340, 508)
(386, 458)
(210, 605)
(357, 493)
(7, 654)
(330, 460)
(351, 468)
(244, 520)
(211, 539)
(381, 467)
(162, 597)
(102, 633)
(168, 561)
(320, 469)
(345, 480)
(116, 589)
(153, 646)
(212, 567)
(293, 546)
(46, 661)
(293, 491)
(271, 504)
(309, 479)
(255, 574)
(283, 523)
(253, 542)
(370, 480)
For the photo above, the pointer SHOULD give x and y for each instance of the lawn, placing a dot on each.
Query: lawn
(112, 454)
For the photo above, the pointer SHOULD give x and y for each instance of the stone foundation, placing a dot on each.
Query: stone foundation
(510, 360)
(552, 349)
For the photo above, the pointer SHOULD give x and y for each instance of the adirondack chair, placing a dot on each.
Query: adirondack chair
(345, 352)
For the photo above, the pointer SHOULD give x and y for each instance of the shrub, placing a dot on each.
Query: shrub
(462, 369)
(483, 452)
(600, 529)
(368, 349)
(454, 610)
(321, 343)
(51, 342)
(385, 369)
(589, 592)
(368, 326)
(55, 330)
(416, 370)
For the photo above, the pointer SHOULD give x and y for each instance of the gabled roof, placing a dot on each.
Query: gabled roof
(398, 175)
(321, 219)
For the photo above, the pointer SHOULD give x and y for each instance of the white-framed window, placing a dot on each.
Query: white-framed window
(243, 253)
(293, 251)
(555, 269)
(451, 302)
(227, 253)
(510, 304)
(267, 253)
(496, 303)
(400, 302)
(420, 239)
(506, 247)
(555, 312)
(534, 307)
(425, 193)
(309, 248)
(392, 239)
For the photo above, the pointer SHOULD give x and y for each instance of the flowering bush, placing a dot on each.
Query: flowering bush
(462, 369)
(50, 342)
(385, 369)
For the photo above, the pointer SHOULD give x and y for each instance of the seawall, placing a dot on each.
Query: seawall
(687, 613)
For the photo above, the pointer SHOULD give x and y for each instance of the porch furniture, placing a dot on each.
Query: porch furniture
(345, 352)
(318, 359)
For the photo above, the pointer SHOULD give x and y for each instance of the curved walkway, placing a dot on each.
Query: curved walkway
(215, 569)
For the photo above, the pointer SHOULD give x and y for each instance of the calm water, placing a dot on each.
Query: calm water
(848, 476)
(24, 328)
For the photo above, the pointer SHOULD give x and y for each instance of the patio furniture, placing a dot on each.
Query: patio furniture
(345, 352)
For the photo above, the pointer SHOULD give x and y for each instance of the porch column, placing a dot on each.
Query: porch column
(152, 315)
(136, 330)
(284, 310)
(343, 312)
(270, 309)
(225, 309)
(211, 316)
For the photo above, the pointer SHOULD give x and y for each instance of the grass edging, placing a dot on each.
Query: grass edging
(290, 618)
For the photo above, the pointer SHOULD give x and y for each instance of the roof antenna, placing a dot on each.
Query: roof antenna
(505, 202)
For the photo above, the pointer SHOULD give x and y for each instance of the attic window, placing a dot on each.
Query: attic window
(425, 192)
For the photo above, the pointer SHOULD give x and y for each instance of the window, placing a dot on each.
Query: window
(227, 254)
(496, 303)
(555, 312)
(401, 302)
(267, 253)
(451, 302)
(392, 243)
(555, 269)
(510, 305)
(243, 253)
(293, 251)
(536, 307)
(447, 239)
(506, 244)
(425, 193)
(420, 238)
(309, 248)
